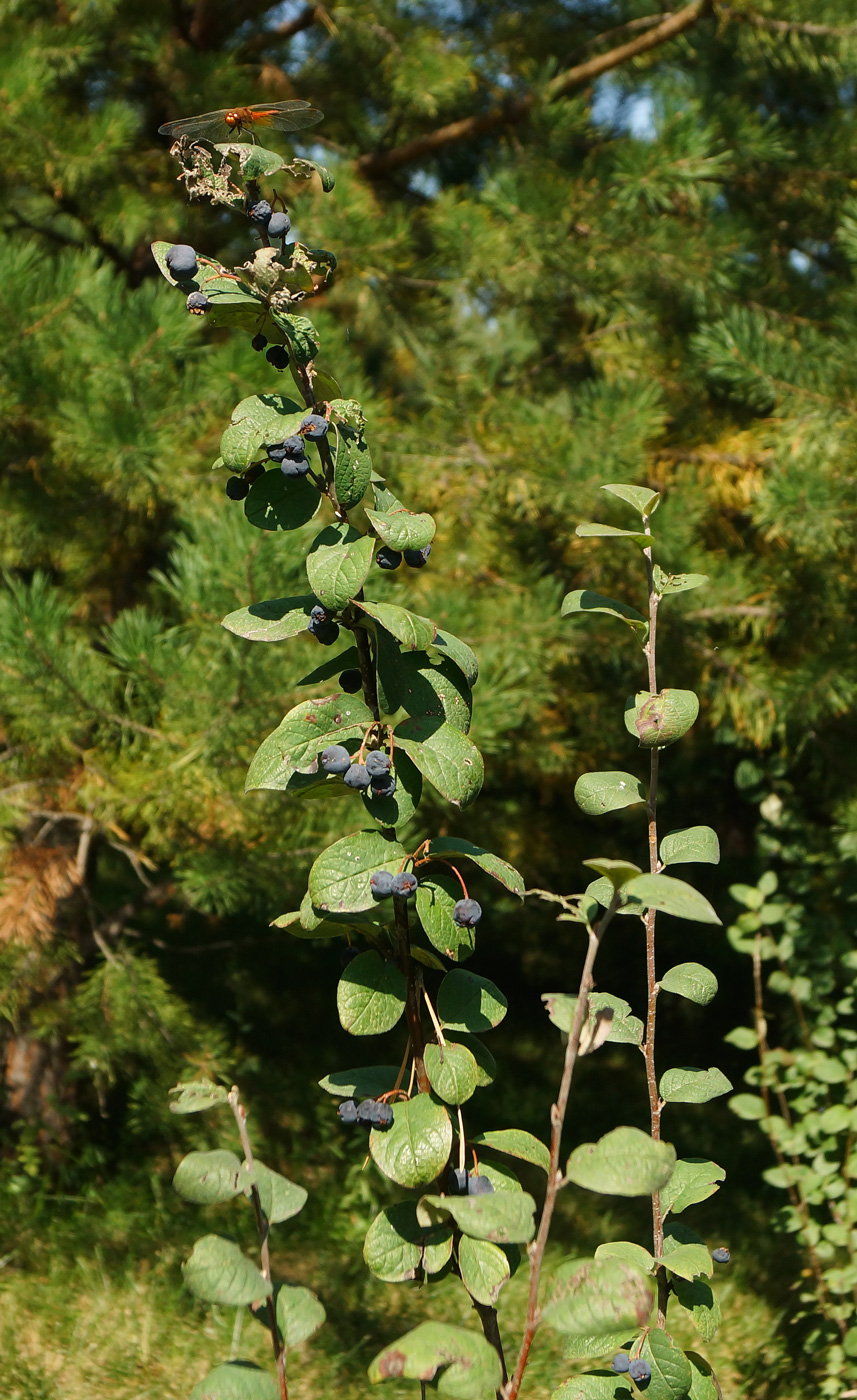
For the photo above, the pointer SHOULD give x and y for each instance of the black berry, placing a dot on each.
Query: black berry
(237, 488)
(348, 1111)
(479, 1186)
(405, 885)
(466, 913)
(357, 777)
(383, 1116)
(259, 342)
(621, 1361)
(260, 212)
(417, 557)
(366, 1111)
(278, 356)
(721, 1255)
(383, 786)
(640, 1371)
(388, 558)
(291, 447)
(181, 262)
(324, 632)
(198, 303)
(350, 682)
(456, 1181)
(314, 427)
(348, 955)
(253, 473)
(336, 759)
(377, 763)
(319, 614)
(381, 884)
(294, 466)
(279, 225)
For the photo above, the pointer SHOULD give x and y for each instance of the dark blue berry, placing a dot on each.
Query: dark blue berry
(405, 885)
(319, 614)
(721, 1255)
(237, 488)
(381, 884)
(366, 1111)
(325, 632)
(198, 303)
(350, 682)
(291, 447)
(294, 466)
(260, 212)
(348, 955)
(456, 1181)
(278, 356)
(314, 427)
(621, 1361)
(383, 1116)
(384, 785)
(259, 342)
(357, 777)
(253, 473)
(336, 759)
(388, 558)
(466, 913)
(479, 1186)
(377, 762)
(348, 1111)
(640, 1371)
(417, 557)
(279, 225)
(181, 262)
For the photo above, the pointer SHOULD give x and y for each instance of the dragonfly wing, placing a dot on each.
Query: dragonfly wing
(295, 120)
(206, 123)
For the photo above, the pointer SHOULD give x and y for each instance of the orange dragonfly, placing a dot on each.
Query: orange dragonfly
(231, 121)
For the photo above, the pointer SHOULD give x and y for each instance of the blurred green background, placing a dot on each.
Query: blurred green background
(641, 274)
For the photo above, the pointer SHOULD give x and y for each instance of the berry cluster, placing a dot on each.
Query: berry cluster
(638, 1369)
(291, 452)
(383, 884)
(373, 776)
(459, 1183)
(387, 558)
(275, 225)
(370, 1112)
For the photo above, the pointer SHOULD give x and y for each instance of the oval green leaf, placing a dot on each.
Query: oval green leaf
(692, 981)
(206, 1178)
(689, 1085)
(693, 844)
(339, 878)
(625, 1162)
(466, 1365)
(466, 1002)
(217, 1272)
(338, 563)
(415, 1150)
(596, 793)
(236, 1380)
(445, 757)
(659, 720)
(402, 529)
(436, 898)
(451, 847)
(671, 896)
(271, 621)
(597, 1295)
(370, 997)
(299, 1313)
(452, 1072)
(302, 735)
(515, 1142)
(484, 1269)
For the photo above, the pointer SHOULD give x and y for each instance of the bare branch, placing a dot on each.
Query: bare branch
(309, 16)
(787, 26)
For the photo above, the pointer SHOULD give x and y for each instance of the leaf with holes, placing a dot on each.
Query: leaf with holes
(452, 1072)
(444, 756)
(302, 735)
(217, 1272)
(676, 583)
(414, 632)
(339, 878)
(370, 997)
(273, 620)
(625, 1162)
(588, 1296)
(484, 1269)
(436, 898)
(402, 529)
(515, 1142)
(197, 1095)
(466, 1002)
(689, 1085)
(453, 847)
(693, 844)
(506, 1217)
(691, 981)
(672, 896)
(337, 565)
(416, 1148)
(596, 793)
(207, 1178)
(277, 502)
(466, 1366)
(694, 1180)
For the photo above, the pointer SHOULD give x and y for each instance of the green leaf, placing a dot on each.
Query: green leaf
(625, 1162)
(672, 897)
(416, 1148)
(596, 793)
(298, 1312)
(271, 621)
(436, 898)
(642, 498)
(352, 466)
(451, 1071)
(396, 810)
(704, 1384)
(589, 530)
(281, 502)
(515, 1142)
(486, 1065)
(236, 1380)
(403, 529)
(468, 1366)
(206, 1178)
(466, 1002)
(304, 733)
(659, 720)
(217, 1272)
(339, 878)
(671, 1373)
(370, 997)
(691, 980)
(618, 872)
(393, 1247)
(337, 565)
(676, 583)
(256, 162)
(693, 844)
(424, 685)
(588, 1296)
(346, 661)
(484, 1269)
(280, 1198)
(453, 847)
(583, 600)
(368, 1082)
(579, 1348)
(602, 892)
(596, 1385)
(687, 1259)
(301, 334)
(445, 757)
(196, 1095)
(694, 1180)
(459, 652)
(625, 1029)
(750, 1107)
(699, 1299)
(506, 1217)
(414, 632)
(687, 1085)
(633, 1254)
(302, 166)
(257, 421)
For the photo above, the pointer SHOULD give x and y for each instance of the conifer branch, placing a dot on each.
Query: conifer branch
(787, 26)
(517, 110)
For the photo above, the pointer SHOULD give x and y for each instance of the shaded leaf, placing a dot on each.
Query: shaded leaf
(583, 600)
(345, 661)
(236, 1380)
(368, 1082)
(464, 657)
(414, 632)
(451, 847)
(304, 733)
(699, 1299)
(589, 529)
(396, 810)
(277, 502)
(466, 1002)
(436, 898)
(196, 1095)
(445, 757)
(671, 1373)
(280, 1198)
(672, 896)
(694, 1180)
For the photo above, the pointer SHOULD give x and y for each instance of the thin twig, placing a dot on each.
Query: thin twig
(787, 26)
